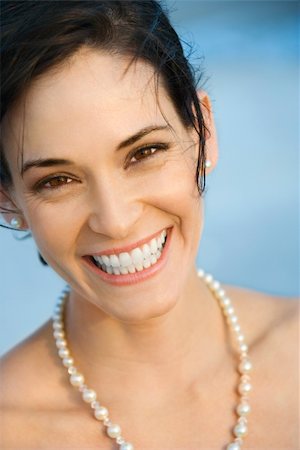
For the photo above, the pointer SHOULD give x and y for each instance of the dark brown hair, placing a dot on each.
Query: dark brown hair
(38, 36)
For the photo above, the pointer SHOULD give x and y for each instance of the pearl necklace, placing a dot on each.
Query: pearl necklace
(101, 413)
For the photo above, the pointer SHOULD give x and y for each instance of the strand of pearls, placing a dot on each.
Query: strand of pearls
(240, 430)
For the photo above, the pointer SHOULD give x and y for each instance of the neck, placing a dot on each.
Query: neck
(190, 337)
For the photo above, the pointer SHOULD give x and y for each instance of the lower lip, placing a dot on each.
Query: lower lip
(137, 277)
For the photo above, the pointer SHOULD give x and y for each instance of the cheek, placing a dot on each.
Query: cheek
(54, 228)
(173, 189)
(174, 192)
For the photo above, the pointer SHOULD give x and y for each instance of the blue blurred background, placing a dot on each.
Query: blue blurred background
(249, 52)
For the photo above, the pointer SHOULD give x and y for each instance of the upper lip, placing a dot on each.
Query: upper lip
(128, 248)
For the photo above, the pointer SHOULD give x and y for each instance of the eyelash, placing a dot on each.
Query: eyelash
(148, 147)
(41, 185)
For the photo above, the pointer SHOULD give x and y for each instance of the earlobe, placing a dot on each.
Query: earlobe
(12, 216)
(211, 142)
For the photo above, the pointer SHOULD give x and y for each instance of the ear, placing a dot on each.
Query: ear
(211, 142)
(10, 211)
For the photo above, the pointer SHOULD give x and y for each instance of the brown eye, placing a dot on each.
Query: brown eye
(57, 181)
(146, 152)
(54, 182)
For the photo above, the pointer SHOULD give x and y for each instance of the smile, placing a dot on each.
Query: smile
(138, 259)
(133, 266)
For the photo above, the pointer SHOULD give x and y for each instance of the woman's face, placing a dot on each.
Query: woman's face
(86, 184)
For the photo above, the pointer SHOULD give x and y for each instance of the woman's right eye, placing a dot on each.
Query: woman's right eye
(55, 182)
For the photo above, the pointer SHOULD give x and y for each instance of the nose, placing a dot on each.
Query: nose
(113, 211)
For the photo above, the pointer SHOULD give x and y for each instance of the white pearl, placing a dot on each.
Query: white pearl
(113, 430)
(101, 413)
(68, 361)
(236, 328)
(64, 352)
(233, 319)
(240, 337)
(126, 446)
(245, 366)
(58, 334)
(224, 302)
(240, 430)
(215, 285)
(220, 293)
(76, 379)
(57, 325)
(233, 446)
(244, 388)
(89, 395)
(229, 310)
(208, 278)
(243, 409)
(61, 343)
(200, 273)
(243, 347)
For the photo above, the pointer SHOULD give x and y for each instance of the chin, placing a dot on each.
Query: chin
(145, 312)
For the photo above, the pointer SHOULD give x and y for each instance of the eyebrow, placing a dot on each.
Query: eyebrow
(140, 134)
(52, 162)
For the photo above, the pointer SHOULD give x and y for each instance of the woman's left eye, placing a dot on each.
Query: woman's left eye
(146, 152)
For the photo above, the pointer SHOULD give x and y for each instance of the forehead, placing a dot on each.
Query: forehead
(93, 96)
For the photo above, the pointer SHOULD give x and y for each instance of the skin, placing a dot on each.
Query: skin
(155, 340)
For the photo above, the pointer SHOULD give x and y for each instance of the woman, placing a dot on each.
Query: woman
(105, 148)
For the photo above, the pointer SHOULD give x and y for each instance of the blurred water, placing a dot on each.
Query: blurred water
(251, 62)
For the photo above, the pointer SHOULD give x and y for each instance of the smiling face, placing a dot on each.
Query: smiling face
(105, 171)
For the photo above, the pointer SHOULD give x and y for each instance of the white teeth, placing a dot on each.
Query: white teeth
(159, 242)
(137, 256)
(114, 261)
(135, 261)
(125, 259)
(146, 251)
(98, 259)
(146, 263)
(105, 260)
(131, 269)
(153, 259)
(153, 246)
(139, 267)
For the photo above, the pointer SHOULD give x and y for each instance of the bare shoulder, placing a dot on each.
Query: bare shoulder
(29, 376)
(27, 368)
(265, 317)
(271, 328)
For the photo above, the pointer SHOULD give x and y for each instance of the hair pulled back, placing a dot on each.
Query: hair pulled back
(40, 35)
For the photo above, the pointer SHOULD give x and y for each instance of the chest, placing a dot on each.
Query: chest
(200, 420)
(183, 428)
